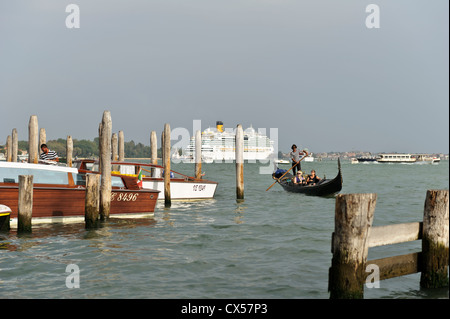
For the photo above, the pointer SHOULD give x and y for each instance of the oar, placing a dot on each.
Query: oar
(287, 172)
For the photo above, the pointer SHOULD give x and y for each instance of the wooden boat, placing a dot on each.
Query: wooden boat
(5, 213)
(182, 187)
(59, 193)
(325, 187)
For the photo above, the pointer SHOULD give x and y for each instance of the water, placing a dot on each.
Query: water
(273, 245)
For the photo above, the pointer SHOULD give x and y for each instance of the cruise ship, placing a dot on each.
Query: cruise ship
(219, 144)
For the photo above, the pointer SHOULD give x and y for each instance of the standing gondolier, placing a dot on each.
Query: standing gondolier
(47, 154)
(295, 155)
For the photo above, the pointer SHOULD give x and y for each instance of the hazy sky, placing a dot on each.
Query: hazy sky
(310, 68)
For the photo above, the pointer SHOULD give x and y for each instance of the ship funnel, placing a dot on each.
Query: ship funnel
(219, 126)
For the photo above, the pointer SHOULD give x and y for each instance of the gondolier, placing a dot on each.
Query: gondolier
(48, 155)
(295, 156)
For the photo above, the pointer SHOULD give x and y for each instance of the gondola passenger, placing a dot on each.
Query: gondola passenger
(313, 179)
(299, 179)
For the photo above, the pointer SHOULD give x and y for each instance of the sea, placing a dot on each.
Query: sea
(271, 245)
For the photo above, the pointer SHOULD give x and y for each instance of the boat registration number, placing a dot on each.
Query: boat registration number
(198, 188)
(124, 197)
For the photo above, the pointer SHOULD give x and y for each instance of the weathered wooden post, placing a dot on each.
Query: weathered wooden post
(114, 152)
(8, 148)
(121, 147)
(42, 139)
(92, 201)
(154, 147)
(105, 164)
(239, 149)
(166, 147)
(33, 153)
(15, 145)
(198, 154)
(25, 204)
(350, 245)
(69, 150)
(153, 151)
(435, 240)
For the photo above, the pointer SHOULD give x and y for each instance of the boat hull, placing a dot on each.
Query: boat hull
(59, 202)
(326, 187)
(183, 190)
(5, 213)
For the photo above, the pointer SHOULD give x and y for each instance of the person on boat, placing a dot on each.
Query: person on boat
(299, 179)
(312, 179)
(295, 155)
(47, 154)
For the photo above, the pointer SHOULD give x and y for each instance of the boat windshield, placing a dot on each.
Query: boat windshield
(116, 181)
(11, 175)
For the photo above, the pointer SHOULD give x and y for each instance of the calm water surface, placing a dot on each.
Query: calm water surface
(273, 245)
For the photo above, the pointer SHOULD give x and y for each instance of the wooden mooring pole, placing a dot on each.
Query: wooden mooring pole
(69, 150)
(153, 151)
(239, 149)
(25, 204)
(33, 152)
(353, 219)
(92, 201)
(42, 139)
(121, 146)
(198, 155)
(9, 148)
(105, 165)
(435, 240)
(166, 148)
(15, 145)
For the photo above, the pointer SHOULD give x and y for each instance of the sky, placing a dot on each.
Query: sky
(311, 70)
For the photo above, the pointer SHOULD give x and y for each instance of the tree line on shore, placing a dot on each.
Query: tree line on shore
(88, 149)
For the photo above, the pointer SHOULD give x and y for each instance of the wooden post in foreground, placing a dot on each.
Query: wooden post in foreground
(166, 147)
(33, 152)
(69, 150)
(198, 155)
(435, 240)
(239, 149)
(105, 165)
(25, 207)
(92, 201)
(350, 245)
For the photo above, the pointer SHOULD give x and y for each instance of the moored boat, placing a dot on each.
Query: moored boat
(5, 213)
(325, 187)
(59, 193)
(182, 187)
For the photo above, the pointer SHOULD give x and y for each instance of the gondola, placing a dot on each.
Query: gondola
(325, 187)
